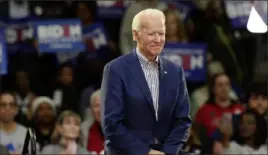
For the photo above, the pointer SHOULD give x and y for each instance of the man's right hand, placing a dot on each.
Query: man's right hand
(155, 152)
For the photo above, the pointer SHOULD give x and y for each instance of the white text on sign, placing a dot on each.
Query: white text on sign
(58, 31)
(187, 61)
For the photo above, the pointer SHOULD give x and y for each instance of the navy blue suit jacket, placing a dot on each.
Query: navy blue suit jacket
(128, 116)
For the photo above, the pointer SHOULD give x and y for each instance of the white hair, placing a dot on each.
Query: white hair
(93, 96)
(136, 22)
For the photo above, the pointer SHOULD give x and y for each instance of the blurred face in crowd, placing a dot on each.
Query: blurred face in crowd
(222, 87)
(216, 4)
(69, 128)
(66, 75)
(151, 36)
(22, 80)
(247, 126)
(202, 4)
(95, 107)
(214, 9)
(44, 113)
(172, 24)
(259, 102)
(84, 13)
(8, 108)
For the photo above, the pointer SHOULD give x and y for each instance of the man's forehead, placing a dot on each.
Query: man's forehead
(152, 18)
(153, 26)
(154, 30)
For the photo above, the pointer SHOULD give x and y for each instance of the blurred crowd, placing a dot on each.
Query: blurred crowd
(60, 98)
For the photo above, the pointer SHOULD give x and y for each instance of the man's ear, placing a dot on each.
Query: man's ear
(134, 34)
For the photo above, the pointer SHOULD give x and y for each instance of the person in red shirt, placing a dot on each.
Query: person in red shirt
(94, 139)
(220, 107)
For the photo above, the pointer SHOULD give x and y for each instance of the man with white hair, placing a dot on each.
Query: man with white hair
(144, 99)
(91, 128)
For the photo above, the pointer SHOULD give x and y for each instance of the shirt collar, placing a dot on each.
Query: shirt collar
(143, 59)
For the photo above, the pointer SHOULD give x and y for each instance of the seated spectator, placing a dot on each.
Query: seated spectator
(65, 95)
(258, 99)
(175, 30)
(12, 134)
(67, 136)
(91, 128)
(23, 96)
(249, 139)
(43, 119)
(218, 104)
(201, 95)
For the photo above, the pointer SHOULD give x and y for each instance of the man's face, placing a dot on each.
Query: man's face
(151, 37)
(8, 108)
(222, 87)
(258, 102)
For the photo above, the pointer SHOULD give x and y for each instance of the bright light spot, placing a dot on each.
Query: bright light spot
(255, 22)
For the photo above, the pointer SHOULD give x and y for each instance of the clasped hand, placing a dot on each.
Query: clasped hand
(155, 152)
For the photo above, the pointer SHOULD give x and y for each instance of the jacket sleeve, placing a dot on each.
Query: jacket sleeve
(182, 121)
(112, 113)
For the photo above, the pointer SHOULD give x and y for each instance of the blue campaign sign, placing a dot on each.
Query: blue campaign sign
(192, 57)
(19, 35)
(238, 12)
(95, 38)
(59, 35)
(112, 9)
(3, 54)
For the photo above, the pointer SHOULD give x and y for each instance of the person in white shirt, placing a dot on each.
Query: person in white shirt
(12, 134)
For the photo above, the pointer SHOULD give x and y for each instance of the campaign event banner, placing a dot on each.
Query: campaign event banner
(95, 39)
(239, 11)
(112, 9)
(3, 54)
(59, 35)
(192, 58)
(19, 35)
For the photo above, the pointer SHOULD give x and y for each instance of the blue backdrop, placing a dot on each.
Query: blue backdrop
(192, 57)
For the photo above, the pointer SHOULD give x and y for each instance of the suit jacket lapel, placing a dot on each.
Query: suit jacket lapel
(139, 77)
(162, 85)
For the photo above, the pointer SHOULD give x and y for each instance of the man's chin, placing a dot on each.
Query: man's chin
(156, 53)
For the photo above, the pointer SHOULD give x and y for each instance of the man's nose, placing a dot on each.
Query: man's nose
(157, 38)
